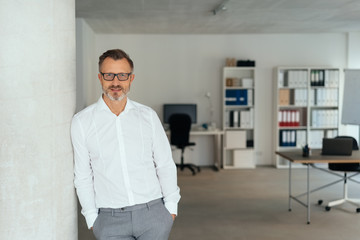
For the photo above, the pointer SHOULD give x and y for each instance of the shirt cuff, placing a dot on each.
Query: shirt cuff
(90, 219)
(172, 207)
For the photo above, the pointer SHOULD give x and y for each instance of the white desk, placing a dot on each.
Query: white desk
(217, 142)
(217, 133)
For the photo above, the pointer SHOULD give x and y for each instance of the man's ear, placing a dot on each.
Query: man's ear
(132, 77)
(99, 76)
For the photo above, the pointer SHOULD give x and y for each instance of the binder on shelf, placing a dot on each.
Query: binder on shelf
(243, 119)
(300, 138)
(292, 138)
(289, 118)
(300, 97)
(235, 118)
(321, 78)
(317, 77)
(227, 119)
(236, 97)
(286, 118)
(313, 97)
(315, 138)
(287, 138)
(324, 118)
(331, 78)
(231, 97)
(231, 118)
(281, 79)
(328, 79)
(252, 117)
(250, 97)
(325, 97)
(297, 118)
(283, 138)
(296, 78)
(284, 97)
(242, 100)
(280, 118)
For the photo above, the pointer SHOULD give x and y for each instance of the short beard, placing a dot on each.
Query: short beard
(120, 98)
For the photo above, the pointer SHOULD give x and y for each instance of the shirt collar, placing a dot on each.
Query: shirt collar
(101, 105)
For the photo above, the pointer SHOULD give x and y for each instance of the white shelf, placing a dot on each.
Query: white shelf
(238, 117)
(302, 94)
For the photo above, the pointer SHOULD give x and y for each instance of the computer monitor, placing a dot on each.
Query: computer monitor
(189, 109)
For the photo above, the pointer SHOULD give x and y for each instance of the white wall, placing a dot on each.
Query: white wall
(181, 68)
(354, 50)
(85, 59)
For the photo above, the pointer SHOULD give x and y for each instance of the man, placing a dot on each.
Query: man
(124, 173)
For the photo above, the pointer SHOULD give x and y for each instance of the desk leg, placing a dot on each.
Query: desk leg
(217, 163)
(308, 193)
(289, 186)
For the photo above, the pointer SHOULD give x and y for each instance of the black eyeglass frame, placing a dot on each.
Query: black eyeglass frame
(117, 75)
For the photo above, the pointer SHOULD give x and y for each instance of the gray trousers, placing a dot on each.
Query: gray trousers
(148, 221)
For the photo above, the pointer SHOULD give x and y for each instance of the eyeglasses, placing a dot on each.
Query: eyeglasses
(111, 76)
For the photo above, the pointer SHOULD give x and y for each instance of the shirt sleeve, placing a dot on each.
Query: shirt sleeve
(165, 166)
(83, 174)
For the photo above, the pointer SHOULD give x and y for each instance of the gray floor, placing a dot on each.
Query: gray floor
(253, 204)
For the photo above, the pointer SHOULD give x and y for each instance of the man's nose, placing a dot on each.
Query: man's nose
(116, 80)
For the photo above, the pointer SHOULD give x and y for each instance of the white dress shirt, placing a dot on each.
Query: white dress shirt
(121, 160)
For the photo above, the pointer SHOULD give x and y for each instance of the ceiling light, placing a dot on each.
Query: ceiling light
(221, 7)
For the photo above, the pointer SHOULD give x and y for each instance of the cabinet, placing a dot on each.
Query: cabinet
(238, 117)
(306, 107)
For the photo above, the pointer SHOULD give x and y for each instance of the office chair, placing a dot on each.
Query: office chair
(180, 125)
(346, 168)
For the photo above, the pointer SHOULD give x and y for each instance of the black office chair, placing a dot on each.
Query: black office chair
(346, 168)
(180, 125)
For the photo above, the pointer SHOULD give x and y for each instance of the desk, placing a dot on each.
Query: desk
(315, 157)
(217, 138)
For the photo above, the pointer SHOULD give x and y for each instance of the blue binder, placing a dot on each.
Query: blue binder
(236, 97)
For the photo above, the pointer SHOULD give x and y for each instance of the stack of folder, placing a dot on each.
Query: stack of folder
(327, 78)
(239, 118)
(295, 97)
(239, 97)
(321, 118)
(292, 138)
(289, 118)
(295, 79)
(324, 97)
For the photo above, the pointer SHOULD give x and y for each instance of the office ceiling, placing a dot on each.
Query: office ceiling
(240, 16)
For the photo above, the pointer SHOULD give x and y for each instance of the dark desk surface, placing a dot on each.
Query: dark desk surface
(316, 157)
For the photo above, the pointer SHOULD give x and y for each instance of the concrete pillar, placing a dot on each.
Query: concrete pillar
(37, 101)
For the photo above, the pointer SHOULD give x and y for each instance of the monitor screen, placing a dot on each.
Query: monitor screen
(170, 109)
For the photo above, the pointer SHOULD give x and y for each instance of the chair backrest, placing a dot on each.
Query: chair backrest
(346, 166)
(355, 144)
(180, 125)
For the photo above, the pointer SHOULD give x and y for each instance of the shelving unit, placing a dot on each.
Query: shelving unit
(306, 108)
(238, 117)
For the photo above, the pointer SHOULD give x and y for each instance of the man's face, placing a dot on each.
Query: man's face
(115, 90)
